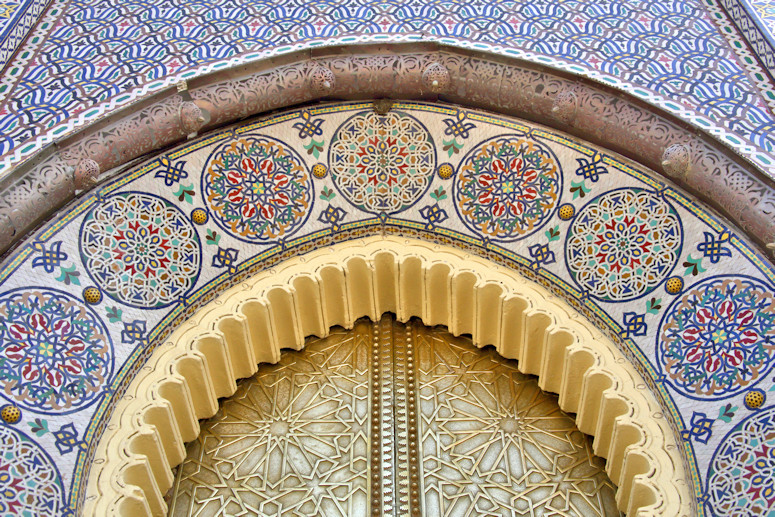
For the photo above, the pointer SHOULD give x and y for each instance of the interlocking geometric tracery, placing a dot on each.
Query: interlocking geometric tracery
(292, 440)
(493, 442)
(391, 419)
(382, 163)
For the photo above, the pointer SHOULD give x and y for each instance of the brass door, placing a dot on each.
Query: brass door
(391, 419)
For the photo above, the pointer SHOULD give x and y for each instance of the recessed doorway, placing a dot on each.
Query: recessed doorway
(391, 419)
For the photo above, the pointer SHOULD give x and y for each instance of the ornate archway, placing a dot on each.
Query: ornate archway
(143, 254)
(252, 322)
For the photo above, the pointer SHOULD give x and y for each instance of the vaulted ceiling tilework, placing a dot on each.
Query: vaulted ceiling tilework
(91, 56)
(17, 18)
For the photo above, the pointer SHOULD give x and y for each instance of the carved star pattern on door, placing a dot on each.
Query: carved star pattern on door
(391, 419)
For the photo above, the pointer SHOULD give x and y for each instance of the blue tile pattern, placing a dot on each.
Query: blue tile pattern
(17, 17)
(96, 50)
(755, 19)
(764, 11)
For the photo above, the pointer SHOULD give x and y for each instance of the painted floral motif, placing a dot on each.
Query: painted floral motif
(507, 187)
(671, 360)
(382, 163)
(55, 353)
(719, 337)
(140, 250)
(743, 467)
(29, 481)
(623, 244)
(257, 188)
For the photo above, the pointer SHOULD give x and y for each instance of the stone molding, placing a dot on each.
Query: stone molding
(597, 113)
(250, 323)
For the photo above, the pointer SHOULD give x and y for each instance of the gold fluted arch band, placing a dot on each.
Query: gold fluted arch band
(251, 322)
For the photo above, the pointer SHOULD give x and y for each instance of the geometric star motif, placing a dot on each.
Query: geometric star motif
(293, 440)
(297, 438)
(495, 443)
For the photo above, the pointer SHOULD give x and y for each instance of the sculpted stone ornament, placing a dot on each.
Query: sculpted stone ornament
(435, 77)
(716, 176)
(382, 106)
(7, 228)
(676, 160)
(192, 118)
(322, 80)
(565, 106)
(86, 173)
(26, 212)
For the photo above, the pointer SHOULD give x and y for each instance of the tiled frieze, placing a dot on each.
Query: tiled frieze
(86, 60)
(99, 287)
(17, 19)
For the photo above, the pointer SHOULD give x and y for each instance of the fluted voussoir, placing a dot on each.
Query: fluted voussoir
(252, 322)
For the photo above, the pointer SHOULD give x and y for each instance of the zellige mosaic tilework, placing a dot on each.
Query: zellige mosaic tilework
(669, 53)
(681, 293)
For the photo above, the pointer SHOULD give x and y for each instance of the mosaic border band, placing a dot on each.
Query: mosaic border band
(695, 160)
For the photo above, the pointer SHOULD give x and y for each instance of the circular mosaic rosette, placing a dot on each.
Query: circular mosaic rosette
(743, 467)
(623, 244)
(507, 187)
(29, 481)
(257, 188)
(140, 249)
(382, 163)
(718, 338)
(55, 353)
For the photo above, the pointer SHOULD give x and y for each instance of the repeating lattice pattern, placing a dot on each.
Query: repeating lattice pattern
(719, 337)
(258, 189)
(508, 187)
(741, 474)
(140, 249)
(95, 51)
(29, 481)
(293, 440)
(56, 354)
(623, 244)
(473, 436)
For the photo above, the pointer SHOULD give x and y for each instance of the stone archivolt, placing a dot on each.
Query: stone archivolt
(695, 160)
(250, 323)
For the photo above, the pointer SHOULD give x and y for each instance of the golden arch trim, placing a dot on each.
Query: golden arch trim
(250, 323)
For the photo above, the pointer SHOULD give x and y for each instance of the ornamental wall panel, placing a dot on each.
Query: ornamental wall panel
(686, 301)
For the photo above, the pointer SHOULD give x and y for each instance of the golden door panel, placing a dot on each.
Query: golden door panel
(391, 419)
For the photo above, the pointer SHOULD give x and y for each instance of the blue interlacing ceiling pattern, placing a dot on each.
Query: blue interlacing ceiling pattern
(97, 53)
(8, 12)
(755, 21)
(762, 13)
(764, 10)
(17, 18)
(86, 299)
